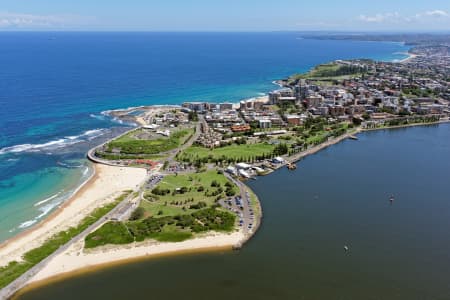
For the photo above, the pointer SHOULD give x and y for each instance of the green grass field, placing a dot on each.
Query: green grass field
(178, 208)
(329, 72)
(199, 189)
(165, 229)
(130, 146)
(246, 152)
(111, 233)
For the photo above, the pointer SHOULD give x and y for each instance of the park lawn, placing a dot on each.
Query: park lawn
(115, 233)
(171, 233)
(165, 229)
(130, 136)
(162, 206)
(152, 209)
(329, 72)
(129, 144)
(246, 151)
(318, 137)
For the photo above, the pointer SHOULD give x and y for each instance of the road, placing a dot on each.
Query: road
(22, 281)
(190, 142)
(244, 209)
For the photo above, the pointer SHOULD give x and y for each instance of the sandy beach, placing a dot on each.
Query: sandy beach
(78, 259)
(105, 185)
(410, 57)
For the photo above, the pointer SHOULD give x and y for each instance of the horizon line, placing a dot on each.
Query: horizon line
(230, 31)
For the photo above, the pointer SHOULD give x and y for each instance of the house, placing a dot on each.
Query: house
(293, 120)
(241, 128)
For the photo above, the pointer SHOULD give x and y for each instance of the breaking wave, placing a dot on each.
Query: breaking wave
(63, 142)
(47, 199)
(44, 211)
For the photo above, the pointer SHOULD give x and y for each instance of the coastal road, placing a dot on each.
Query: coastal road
(247, 213)
(23, 280)
(190, 142)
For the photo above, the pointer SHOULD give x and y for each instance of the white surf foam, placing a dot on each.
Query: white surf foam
(86, 171)
(62, 142)
(46, 209)
(27, 224)
(98, 117)
(47, 199)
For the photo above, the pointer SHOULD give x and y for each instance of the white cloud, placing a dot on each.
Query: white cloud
(10, 20)
(431, 16)
(437, 13)
(379, 18)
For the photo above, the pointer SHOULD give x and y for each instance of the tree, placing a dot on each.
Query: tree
(137, 214)
(193, 116)
(281, 149)
(357, 121)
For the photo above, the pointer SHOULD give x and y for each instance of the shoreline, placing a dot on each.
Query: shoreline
(117, 112)
(100, 189)
(144, 251)
(411, 56)
(60, 274)
(55, 212)
(78, 262)
(407, 125)
(104, 266)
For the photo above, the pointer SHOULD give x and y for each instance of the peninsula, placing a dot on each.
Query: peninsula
(176, 182)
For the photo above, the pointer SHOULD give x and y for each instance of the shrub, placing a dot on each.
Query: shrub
(137, 214)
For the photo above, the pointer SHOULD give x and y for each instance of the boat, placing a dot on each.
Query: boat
(291, 166)
(353, 137)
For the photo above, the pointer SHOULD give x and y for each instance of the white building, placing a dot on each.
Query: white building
(265, 124)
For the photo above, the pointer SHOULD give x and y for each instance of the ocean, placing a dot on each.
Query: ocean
(337, 197)
(56, 87)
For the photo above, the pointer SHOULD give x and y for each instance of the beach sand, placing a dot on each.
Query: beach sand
(410, 57)
(106, 184)
(77, 259)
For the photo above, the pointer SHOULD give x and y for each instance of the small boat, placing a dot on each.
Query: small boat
(353, 137)
(292, 166)
(392, 199)
(346, 248)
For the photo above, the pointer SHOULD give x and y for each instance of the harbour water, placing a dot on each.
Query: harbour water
(338, 197)
(55, 86)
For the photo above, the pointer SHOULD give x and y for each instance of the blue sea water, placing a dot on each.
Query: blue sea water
(55, 86)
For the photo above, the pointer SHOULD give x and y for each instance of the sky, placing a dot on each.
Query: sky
(225, 15)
